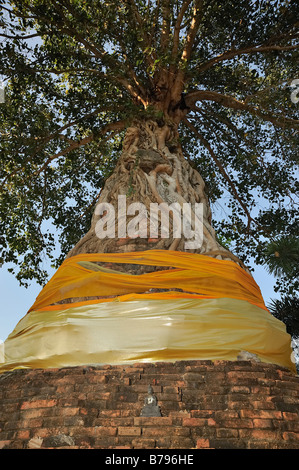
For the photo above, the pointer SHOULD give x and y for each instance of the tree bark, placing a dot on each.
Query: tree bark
(152, 169)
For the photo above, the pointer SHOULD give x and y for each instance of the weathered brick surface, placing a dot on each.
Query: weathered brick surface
(204, 405)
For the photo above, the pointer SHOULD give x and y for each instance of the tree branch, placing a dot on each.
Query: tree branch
(177, 28)
(18, 15)
(66, 27)
(221, 169)
(165, 25)
(197, 10)
(100, 54)
(138, 94)
(120, 125)
(239, 135)
(139, 25)
(117, 126)
(178, 84)
(247, 50)
(231, 102)
(30, 36)
(155, 22)
(67, 126)
(131, 72)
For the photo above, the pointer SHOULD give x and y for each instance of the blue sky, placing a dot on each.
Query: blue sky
(15, 300)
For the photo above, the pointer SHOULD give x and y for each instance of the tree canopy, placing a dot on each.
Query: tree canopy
(77, 72)
(286, 310)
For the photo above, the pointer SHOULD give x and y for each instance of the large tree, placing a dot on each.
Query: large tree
(159, 96)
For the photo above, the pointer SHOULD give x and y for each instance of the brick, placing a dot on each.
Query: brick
(266, 382)
(259, 390)
(287, 425)
(115, 422)
(262, 405)
(104, 431)
(168, 406)
(136, 368)
(4, 444)
(262, 423)
(264, 434)
(144, 388)
(291, 436)
(180, 414)
(32, 423)
(153, 421)
(202, 363)
(163, 397)
(202, 444)
(67, 380)
(291, 416)
(221, 363)
(239, 423)
(44, 432)
(194, 377)
(215, 377)
(99, 396)
(38, 404)
(240, 389)
(226, 433)
(111, 413)
(122, 447)
(181, 443)
(201, 414)
(24, 434)
(260, 444)
(62, 389)
(103, 379)
(129, 431)
(38, 412)
(239, 375)
(95, 403)
(287, 385)
(68, 411)
(157, 431)
(266, 414)
(224, 415)
(104, 442)
(198, 422)
(289, 407)
(97, 379)
(180, 384)
(171, 389)
(236, 405)
(143, 443)
(230, 443)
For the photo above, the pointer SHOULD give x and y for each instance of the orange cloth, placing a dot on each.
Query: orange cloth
(202, 275)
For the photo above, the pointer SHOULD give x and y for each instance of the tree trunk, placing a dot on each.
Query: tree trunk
(152, 169)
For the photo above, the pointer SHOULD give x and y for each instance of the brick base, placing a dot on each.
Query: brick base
(216, 405)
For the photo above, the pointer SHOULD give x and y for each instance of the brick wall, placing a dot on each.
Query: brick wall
(203, 404)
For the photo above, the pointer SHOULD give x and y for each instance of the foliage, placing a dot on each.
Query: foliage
(282, 260)
(287, 310)
(78, 71)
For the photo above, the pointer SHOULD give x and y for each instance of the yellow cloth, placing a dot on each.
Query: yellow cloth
(146, 330)
(193, 273)
(221, 313)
